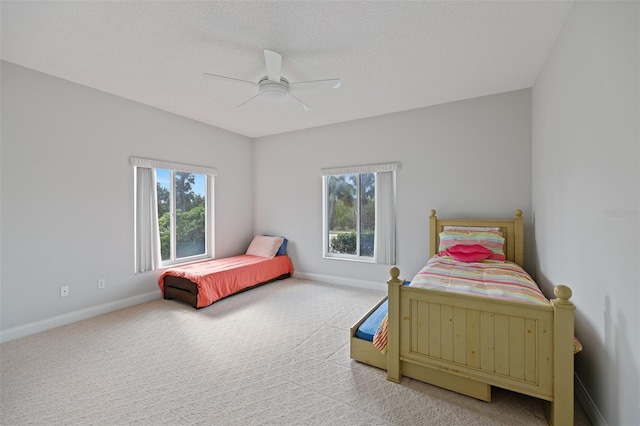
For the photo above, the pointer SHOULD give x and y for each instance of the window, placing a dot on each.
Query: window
(173, 213)
(182, 214)
(351, 216)
(359, 213)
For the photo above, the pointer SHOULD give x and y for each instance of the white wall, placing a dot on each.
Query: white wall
(585, 167)
(67, 193)
(467, 158)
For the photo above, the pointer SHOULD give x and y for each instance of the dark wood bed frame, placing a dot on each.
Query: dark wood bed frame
(187, 291)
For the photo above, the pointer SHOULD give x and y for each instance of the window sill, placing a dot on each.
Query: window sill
(187, 262)
(350, 259)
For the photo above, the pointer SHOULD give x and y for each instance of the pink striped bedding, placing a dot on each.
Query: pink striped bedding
(494, 279)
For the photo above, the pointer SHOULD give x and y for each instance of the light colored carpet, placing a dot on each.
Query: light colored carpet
(275, 355)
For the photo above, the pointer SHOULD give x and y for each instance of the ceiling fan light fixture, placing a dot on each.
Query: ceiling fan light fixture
(274, 91)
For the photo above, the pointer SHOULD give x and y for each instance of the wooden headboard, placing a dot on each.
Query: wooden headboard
(512, 231)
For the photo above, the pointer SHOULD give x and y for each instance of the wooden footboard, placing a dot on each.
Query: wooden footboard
(181, 289)
(467, 344)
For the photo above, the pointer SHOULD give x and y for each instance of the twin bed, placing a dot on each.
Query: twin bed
(441, 328)
(202, 283)
(451, 334)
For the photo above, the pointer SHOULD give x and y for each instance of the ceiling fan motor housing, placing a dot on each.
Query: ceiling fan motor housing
(273, 90)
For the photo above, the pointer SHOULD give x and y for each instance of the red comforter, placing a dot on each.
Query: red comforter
(219, 278)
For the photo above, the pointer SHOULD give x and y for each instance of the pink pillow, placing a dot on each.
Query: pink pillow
(468, 253)
(493, 241)
(264, 246)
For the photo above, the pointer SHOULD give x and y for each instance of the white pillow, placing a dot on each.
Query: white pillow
(472, 228)
(264, 246)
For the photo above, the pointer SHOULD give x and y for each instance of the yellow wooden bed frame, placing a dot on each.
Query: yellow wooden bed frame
(468, 344)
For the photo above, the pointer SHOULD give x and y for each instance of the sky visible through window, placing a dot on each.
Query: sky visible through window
(164, 179)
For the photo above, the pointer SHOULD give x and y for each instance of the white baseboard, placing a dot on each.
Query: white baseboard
(348, 282)
(71, 317)
(590, 407)
(68, 318)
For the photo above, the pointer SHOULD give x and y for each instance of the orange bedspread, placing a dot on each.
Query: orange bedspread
(219, 278)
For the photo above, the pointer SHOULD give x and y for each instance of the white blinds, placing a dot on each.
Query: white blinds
(385, 234)
(147, 241)
(372, 168)
(168, 165)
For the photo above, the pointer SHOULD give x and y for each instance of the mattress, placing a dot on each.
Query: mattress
(369, 327)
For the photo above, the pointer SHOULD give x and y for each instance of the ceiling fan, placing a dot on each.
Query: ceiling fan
(275, 87)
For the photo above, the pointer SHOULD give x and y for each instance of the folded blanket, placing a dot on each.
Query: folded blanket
(380, 338)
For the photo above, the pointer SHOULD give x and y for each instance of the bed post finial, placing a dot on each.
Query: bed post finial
(519, 213)
(563, 293)
(433, 213)
(395, 273)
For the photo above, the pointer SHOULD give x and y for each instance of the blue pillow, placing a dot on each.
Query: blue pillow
(283, 248)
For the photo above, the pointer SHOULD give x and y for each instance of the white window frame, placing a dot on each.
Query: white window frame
(357, 170)
(209, 174)
(208, 254)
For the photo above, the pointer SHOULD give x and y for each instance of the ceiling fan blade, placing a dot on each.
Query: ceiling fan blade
(231, 79)
(305, 106)
(333, 83)
(250, 99)
(274, 65)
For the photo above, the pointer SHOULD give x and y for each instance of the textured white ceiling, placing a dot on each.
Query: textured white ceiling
(390, 55)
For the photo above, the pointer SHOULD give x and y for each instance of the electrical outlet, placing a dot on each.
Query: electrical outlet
(101, 284)
(64, 291)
